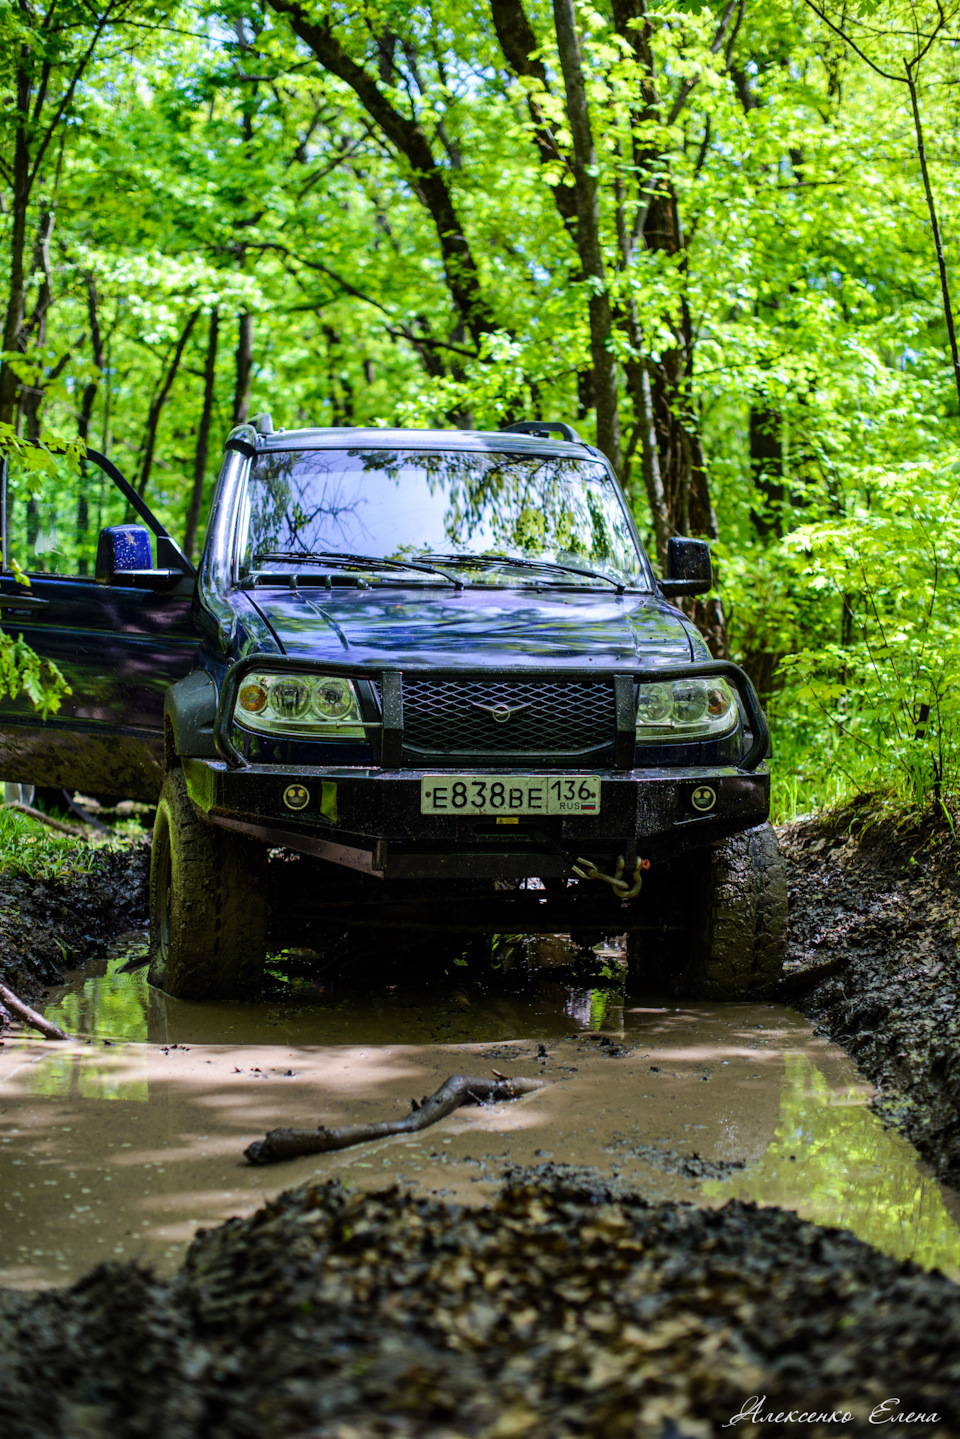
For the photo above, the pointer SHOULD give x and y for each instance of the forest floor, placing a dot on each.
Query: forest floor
(570, 1307)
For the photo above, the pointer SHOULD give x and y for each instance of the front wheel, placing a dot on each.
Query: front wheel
(208, 904)
(723, 920)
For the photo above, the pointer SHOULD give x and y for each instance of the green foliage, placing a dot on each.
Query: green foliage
(21, 671)
(890, 689)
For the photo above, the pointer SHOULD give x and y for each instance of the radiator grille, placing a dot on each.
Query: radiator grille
(551, 722)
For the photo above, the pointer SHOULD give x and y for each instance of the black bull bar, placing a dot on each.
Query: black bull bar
(386, 734)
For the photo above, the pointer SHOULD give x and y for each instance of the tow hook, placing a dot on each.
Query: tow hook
(623, 889)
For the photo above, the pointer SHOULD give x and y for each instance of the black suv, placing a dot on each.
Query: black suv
(436, 662)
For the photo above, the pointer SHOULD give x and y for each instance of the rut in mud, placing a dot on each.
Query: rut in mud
(874, 960)
(873, 956)
(50, 925)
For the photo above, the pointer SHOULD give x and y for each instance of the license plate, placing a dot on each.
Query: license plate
(509, 794)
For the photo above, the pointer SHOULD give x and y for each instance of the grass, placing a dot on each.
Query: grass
(30, 848)
(815, 776)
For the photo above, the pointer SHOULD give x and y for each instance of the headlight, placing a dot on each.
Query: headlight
(686, 709)
(308, 706)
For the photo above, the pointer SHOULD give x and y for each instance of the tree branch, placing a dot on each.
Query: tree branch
(454, 1092)
(406, 135)
(16, 1006)
(688, 86)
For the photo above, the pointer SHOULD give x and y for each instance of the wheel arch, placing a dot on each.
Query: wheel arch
(189, 710)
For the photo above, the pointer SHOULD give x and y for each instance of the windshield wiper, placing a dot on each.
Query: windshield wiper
(489, 560)
(340, 557)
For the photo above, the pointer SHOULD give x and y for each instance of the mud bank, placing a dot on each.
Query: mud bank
(48, 926)
(560, 1311)
(874, 962)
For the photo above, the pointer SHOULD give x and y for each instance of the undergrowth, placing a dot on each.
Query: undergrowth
(29, 847)
(810, 774)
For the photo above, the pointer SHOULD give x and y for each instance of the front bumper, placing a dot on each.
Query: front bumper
(369, 819)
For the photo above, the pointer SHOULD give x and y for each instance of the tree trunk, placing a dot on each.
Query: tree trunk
(87, 403)
(638, 383)
(657, 227)
(160, 399)
(519, 45)
(31, 396)
(26, 168)
(203, 438)
(241, 398)
(766, 468)
(96, 354)
(588, 232)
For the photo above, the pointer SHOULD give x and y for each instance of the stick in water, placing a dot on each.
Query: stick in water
(16, 1006)
(458, 1090)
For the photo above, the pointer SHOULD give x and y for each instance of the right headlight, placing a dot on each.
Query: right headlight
(686, 709)
(306, 705)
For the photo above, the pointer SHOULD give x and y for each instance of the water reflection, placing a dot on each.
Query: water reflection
(107, 1006)
(445, 1005)
(732, 1082)
(832, 1161)
(73, 1076)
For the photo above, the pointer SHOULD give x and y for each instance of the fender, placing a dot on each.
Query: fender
(189, 711)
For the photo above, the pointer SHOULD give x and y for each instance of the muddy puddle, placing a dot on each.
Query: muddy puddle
(123, 1143)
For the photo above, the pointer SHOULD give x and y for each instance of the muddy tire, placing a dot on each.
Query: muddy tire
(208, 905)
(723, 917)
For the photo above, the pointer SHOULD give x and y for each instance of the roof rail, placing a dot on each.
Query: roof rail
(542, 428)
(263, 424)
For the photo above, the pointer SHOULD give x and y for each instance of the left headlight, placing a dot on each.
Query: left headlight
(309, 706)
(686, 709)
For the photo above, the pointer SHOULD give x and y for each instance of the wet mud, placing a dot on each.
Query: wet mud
(50, 926)
(562, 1309)
(874, 961)
(124, 1143)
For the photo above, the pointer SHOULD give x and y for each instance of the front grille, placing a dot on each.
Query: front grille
(563, 722)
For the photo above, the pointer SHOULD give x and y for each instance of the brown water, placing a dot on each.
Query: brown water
(122, 1143)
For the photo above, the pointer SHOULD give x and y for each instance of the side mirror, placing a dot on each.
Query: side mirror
(689, 571)
(124, 558)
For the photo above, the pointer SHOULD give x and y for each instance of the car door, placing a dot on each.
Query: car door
(118, 643)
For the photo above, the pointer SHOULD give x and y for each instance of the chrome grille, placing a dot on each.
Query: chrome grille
(562, 720)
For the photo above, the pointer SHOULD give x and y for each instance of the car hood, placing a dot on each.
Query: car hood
(486, 627)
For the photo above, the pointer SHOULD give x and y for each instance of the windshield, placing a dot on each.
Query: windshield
(548, 519)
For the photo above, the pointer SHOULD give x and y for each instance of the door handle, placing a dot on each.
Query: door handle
(22, 602)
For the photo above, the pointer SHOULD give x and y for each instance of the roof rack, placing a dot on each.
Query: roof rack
(542, 428)
(263, 424)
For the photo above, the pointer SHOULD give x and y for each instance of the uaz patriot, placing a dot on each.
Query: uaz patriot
(438, 663)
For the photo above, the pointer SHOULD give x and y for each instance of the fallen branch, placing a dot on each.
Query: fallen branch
(38, 814)
(16, 1006)
(138, 961)
(458, 1090)
(84, 815)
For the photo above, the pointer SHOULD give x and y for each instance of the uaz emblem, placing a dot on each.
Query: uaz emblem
(500, 713)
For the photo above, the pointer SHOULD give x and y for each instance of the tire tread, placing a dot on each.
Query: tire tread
(218, 909)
